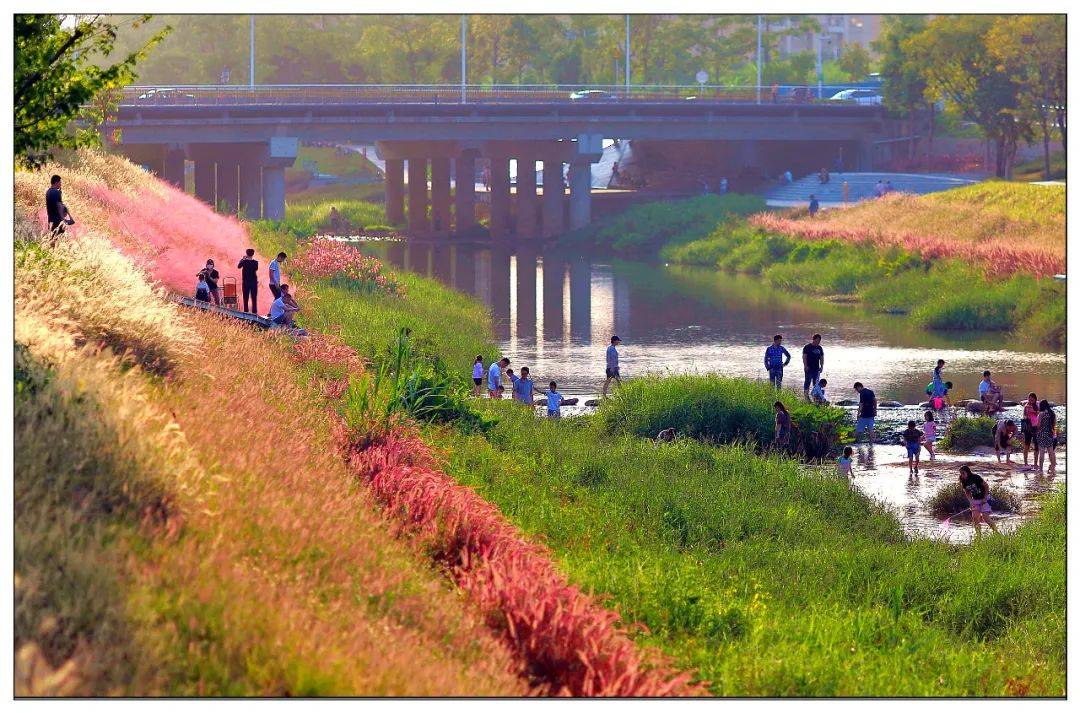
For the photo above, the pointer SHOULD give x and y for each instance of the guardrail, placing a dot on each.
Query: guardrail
(209, 95)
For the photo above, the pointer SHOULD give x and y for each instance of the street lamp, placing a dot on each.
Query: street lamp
(251, 45)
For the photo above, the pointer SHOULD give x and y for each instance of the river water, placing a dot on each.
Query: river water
(556, 311)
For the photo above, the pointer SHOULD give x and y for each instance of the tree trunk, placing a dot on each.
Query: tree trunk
(1046, 141)
(930, 137)
(1061, 127)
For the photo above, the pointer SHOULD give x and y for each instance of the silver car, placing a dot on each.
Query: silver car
(858, 96)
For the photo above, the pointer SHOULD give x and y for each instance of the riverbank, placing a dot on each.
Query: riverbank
(822, 257)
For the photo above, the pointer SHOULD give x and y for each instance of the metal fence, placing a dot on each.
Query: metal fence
(208, 95)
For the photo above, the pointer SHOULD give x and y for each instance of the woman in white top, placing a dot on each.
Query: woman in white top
(478, 376)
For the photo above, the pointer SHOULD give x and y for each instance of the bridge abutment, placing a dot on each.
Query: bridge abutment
(174, 165)
(500, 196)
(273, 188)
(580, 193)
(251, 190)
(395, 190)
(464, 192)
(417, 170)
(527, 216)
(440, 197)
(554, 197)
(228, 182)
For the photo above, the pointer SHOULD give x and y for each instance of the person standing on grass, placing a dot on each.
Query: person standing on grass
(55, 209)
(611, 370)
(275, 274)
(990, 395)
(249, 280)
(1029, 424)
(776, 358)
(867, 412)
(977, 493)
(494, 378)
(813, 361)
(478, 376)
(554, 401)
(782, 426)
(1046, 436)
(524, 388)
(814, 205)
(929, 433)
(913, 440)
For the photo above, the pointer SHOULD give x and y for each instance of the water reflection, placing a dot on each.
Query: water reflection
(554, 311)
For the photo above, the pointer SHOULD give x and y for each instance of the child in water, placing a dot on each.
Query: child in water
(843, 466)
(929, 433)
(913, 440)
(554, 401)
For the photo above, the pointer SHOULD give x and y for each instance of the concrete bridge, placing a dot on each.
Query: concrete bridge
(241, 139)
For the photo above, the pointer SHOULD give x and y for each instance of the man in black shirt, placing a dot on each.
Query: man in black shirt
(249, 281)
(867, 412)
(55, 209)
(813, 361)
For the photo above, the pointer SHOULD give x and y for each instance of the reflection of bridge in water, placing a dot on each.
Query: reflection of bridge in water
(535, 297)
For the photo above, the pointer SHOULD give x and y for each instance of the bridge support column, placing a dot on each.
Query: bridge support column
(554, 197)
(500, 196)
(464, 193)
(440, 196)
(395, 191)
(554, 276)
(174, 166)
(580, 194)
(250, 190)
(228, 186)
(273, 189)
(580, 300)
(526, 288)
(418, 222)
(526, 197)
(205, 180)
(866, 156)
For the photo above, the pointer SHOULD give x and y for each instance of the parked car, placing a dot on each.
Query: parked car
(166, 95)
(593, 95)
(858, 96)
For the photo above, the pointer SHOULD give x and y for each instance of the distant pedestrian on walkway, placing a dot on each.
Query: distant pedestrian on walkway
(814, 205)
(813, 360)
(495, 374)
(776, 358)
(55, 209)
(275, 274)
(249, 280)
(867, 412)
(611, 370)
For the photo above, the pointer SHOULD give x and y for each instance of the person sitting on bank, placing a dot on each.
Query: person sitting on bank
(283, 308)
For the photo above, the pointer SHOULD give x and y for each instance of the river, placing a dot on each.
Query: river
(556, 311)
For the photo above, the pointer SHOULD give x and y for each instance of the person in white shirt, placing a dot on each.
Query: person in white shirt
(275, 274)
(283, 308)
(478, 375)
(495, 372)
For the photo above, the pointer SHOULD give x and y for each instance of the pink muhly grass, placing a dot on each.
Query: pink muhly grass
(567, 638)
(325, 258)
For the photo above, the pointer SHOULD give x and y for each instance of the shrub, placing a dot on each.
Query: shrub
(714, 409)
(346, 266)
(966, 432)
(950, 500)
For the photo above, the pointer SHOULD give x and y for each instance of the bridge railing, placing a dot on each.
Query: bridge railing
(216, 95)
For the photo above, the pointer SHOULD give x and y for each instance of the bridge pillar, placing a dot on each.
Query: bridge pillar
(464, 193)
(228, 185)
(554, 275)
(174, 166)
(525, 263)
(500, 196)
(440, 196)
(554, 197)
(251, 190)
(273, 189)
(866, 156)
(395, 191)
(418, 222)
(580, 300)
(205, 180)
(580, 194)
(526, 197)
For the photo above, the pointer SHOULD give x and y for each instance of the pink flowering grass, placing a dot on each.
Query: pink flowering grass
(328, 259)
(571, 644)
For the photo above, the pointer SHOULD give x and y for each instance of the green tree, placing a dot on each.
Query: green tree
(953, 57)
(1034, 48)
(855, 61)
(904, 88)
(56, 75)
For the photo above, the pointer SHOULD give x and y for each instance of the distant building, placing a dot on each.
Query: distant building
(836, 31)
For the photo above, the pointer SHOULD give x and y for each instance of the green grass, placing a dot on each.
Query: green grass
(1033, 170)
(329, 161)
(966, 432)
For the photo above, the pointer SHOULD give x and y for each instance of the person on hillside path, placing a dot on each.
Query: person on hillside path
(867, 412)
(478, 376)
(55, 209)
(978, 494)
(1029, 424)
(814, 205)
(782, 426)
(275, 274)
(813, 361)
(554, 401)
(913, 440)
(1046, 437)
(990, 395)
(611, 367)
(929, 434)
(249, 280)
(776, 358)
(494, 378)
